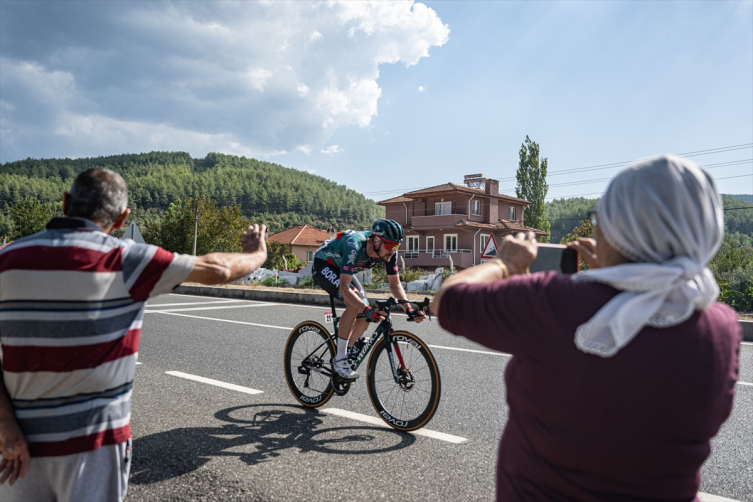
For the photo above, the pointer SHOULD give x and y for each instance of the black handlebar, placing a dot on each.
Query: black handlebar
(388, 304)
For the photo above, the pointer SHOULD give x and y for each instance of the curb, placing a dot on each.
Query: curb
(267, 295)
(747, 327)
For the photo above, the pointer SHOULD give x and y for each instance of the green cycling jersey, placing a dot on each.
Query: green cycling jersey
(348, 253)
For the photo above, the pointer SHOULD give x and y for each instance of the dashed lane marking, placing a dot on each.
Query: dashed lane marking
(745, 383)
(378, 421)
(471, 350)
(218, 320)
(149, 305)
(216, 383)
(215, 308)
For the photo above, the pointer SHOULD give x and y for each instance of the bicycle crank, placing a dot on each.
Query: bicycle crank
(339, 386)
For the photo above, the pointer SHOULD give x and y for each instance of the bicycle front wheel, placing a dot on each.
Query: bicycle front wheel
(411, 402)
(307, 364)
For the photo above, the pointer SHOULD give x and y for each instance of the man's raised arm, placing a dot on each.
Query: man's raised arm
(221, 268)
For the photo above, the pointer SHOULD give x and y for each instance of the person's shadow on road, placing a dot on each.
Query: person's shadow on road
(265, 429)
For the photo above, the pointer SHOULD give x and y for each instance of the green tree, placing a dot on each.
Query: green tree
(532, 186)
(29, 216)
(275, 253)
(565, 214)
(584, 229)
(219, 228)
(733, 270)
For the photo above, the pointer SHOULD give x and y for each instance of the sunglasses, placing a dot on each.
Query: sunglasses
(388, 245)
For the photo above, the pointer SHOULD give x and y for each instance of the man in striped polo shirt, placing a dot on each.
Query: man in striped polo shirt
(72, 303)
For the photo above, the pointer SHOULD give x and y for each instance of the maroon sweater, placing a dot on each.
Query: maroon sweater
(635, 426)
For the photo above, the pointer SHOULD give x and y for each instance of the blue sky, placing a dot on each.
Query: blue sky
(385, 97)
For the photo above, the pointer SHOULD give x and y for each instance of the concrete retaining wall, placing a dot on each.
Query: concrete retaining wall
(270, 295)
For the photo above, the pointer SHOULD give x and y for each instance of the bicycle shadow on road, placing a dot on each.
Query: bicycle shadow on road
(255, 433)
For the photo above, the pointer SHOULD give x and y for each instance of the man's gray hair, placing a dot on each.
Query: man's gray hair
(98, 194)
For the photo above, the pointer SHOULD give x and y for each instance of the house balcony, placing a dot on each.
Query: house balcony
(436, 221)
(461, 258)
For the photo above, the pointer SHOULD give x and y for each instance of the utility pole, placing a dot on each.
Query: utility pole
(195, 226)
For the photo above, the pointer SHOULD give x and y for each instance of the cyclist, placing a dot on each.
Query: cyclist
(335, 263)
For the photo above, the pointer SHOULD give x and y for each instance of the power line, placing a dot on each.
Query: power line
(696, 153)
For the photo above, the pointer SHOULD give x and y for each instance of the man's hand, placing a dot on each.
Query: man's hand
(374, 315)
(254, 239)
(586, 248)
(14, 450)
(518, 252)
(418, 315)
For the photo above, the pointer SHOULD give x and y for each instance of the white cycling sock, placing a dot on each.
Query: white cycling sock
(342, 348)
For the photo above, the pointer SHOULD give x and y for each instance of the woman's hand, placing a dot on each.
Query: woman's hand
(586, 248)
(518, 252)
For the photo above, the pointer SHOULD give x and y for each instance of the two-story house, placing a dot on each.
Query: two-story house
(454, 221)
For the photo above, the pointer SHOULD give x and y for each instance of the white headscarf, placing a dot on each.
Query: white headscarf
(666, 215)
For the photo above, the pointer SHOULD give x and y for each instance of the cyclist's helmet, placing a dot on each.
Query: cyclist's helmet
(388, 230)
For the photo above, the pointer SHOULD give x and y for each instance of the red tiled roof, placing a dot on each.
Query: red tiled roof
(500, 225)
(300, 235)
(446, 187)
(395, 199)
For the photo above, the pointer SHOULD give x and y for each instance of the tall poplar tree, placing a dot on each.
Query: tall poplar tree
(532, 186)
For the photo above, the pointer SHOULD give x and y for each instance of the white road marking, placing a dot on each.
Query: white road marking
(745, 383)
(218, 320)
(747, 343)
(148, 305)
(471, 350)
(378, 421)
(217, 383)
(215, 308)
(139, 363)
(707, 497)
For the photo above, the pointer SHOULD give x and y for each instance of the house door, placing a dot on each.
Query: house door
(430, 246)
(411, 250)
(451, 243)
(441, 208)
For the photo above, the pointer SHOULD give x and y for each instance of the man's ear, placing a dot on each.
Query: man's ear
(121, 219)
(66, 203)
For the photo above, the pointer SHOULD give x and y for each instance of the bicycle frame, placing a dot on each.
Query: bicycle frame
(383, 329)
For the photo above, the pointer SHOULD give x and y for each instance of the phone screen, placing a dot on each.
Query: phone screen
(556, 257)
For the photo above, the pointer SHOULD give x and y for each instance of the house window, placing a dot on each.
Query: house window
(476, 207)
(512, 213)
(430, 245)
(450, 243)
(441, 208)
(311, 255)
(484, 240)
(411, 249)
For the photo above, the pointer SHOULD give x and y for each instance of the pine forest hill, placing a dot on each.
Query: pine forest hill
(279, 196)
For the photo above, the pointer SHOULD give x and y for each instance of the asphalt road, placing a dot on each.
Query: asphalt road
(198, 441)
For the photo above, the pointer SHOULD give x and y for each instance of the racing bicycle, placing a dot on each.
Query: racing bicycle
(402, 378)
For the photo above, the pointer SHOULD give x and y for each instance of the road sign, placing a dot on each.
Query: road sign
(490, 251)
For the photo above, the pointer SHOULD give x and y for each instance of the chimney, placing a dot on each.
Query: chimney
(491, 187)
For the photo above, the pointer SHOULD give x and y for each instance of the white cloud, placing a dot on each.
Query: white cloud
(332, 149)
(421, 88)
(203, 76)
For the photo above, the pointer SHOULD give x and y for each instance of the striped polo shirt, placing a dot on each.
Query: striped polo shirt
(72, 303)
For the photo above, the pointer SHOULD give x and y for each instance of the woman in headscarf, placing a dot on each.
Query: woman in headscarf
(622, 374)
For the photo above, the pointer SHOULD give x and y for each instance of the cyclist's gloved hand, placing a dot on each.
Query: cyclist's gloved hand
(373, 315)
(416, 315)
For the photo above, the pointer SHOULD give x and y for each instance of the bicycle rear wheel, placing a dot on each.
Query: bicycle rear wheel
(409, 404)
(307, 364)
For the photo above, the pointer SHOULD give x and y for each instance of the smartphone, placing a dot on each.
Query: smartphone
(556, 257)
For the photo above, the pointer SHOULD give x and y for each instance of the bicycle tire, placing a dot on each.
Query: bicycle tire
(390, 398)
(304, 338)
